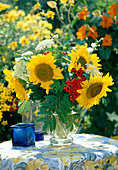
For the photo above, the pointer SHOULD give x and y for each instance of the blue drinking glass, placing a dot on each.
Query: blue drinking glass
(39, 135)
(23, 134)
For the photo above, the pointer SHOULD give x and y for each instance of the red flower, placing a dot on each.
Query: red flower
(92, 33)
(83, 14)
(81, 33)
(107, 41)
(106, 21)
(112, 12)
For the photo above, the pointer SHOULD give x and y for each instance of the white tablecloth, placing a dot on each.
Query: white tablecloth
(88, 152)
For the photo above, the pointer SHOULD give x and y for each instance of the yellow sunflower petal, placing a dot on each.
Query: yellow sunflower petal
(42, 70)
(93, 90)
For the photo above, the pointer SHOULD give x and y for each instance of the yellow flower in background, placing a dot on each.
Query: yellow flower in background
(51, 14)
(4, 6)
(42, 70)
(63, 1)
(21, 13)
(52, 4)
(20, 24)
(43, 13)
(96, 13)
(28, 17)
(12, 15)
(36, 6)
(4, 123)
(32, 37)
(49, 26)
(0, 115)
(80, 57)
(13, 45)
(25, 27)
(93, 90)
(71, 2)
(3, 58)
(23, 40)
(59, 31)
(15, 85)
(114, 137)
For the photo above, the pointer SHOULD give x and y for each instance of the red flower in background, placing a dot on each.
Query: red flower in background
(83, 14)
(92, 33)
(112, 12)
(107, 41)
(106, 21)
(81, 33)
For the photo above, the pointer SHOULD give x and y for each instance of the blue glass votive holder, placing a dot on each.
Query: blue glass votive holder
(39, 135)
(23, 134)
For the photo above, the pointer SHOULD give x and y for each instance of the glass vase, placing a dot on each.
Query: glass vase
(32, 116)
(61, 136)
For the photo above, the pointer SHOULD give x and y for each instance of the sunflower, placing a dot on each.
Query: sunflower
(42, 70)
(80, 57)
(93, 90)
(16, 86)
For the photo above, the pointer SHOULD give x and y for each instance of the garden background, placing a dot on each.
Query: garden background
(21, 30)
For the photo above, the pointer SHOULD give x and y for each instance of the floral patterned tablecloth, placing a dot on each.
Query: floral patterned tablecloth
(88, 152)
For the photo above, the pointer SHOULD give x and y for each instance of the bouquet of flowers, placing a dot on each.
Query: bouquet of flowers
(63, 81)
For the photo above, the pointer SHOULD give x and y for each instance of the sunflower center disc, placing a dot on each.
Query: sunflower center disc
(44, 72)
(82, 61)
(94, 90)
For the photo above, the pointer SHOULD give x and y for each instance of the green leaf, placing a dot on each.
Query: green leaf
(27, 106)
(71, 128)
(48, 105)
(54, 84)
(67, 101)
(45, 126)
(62, 86)
(60, 115)
(69, 117)
(76, 124)
(74, 21)
(42, 119)
(76, 116)
(69, 124)
(54, 122)
(21, 108)
(61, 108)
(53, 99)
(76, 110)
(65, 106)
(105, 52)
(50, 123)
(58, 87)
(45, 112)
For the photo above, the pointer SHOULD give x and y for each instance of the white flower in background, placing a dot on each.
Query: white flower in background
(92, 70)
(45, 43)
(55, 36)
(27, 53)
(93, 45)
(90, 49)
(21, 58)
(20, 70)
